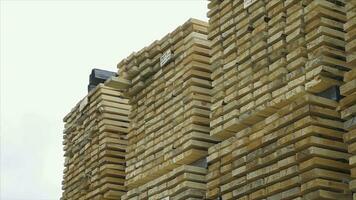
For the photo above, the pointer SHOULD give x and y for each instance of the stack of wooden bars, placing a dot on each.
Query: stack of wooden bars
(348, 103)
(276, 65)
(246, 108)
(95, 140)
(169, 87)
(184, 182)
(266, 52)
(298, 152)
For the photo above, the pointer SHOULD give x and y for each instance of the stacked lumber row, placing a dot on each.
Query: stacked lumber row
(347, 104)
(296, 153)
(264, 49)
(350, 28)
(169, 88)
(183, 183)
(95, 140)
(348, 113)
(325, 44)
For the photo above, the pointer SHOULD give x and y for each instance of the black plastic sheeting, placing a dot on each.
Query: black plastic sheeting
(91, 87)
(332, 93)
(98, 76)
(201, 163)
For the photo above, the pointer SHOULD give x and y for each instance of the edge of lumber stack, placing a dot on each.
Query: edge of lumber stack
(95, 141)
(348, 89)
(169, 87)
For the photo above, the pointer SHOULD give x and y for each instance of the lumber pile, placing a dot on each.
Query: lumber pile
(169, 87)
(95, 141)
(266, 52)
(350, 29)
(348, 113)
(348, 103)
(246, 108)
(276, 68)
(182, 183)
(296, 153)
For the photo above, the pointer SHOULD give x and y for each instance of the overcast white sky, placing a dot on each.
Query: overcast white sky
(47, 51)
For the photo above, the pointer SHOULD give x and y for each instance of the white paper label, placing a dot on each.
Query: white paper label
(166, 57)
(248, 3)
